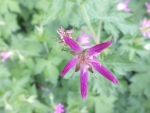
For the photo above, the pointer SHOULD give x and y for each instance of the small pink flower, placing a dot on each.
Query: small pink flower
(43, 88)
(5, 55)
(84, 40)
(85, 60)
(59, 108)
(145, 28)
(148, 7)
(123, 6)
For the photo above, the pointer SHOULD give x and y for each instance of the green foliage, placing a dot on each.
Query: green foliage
(30, 78)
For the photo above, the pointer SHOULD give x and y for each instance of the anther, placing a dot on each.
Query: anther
(72, 75)
(94, 75)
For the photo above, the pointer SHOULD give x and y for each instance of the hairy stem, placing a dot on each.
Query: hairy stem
(46, 48)
(88, 23)
(99, 30)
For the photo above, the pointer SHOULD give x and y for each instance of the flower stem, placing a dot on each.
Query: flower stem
(99, 30)
(89, 24)
(46, 48)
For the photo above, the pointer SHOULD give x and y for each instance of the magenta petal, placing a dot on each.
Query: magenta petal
(98, 48)
(69, 65)
(4, 58)
(69, 31)
(83, 82)
(126, 2)
(74, 46)
(127, 9)
(147, 5)
(103, 71)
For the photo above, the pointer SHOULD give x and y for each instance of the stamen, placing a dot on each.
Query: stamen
(55, 38)
(70, 52)
(94, 75)
(65, 50)
(72, 75)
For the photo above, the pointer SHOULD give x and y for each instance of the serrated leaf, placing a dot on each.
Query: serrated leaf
(26, 47)
(140, 84)
(57, 9)
(99, 7)
(40, 65)
(118, 60)
(111, 29)
(104, 104)
(4, 73)
(51, 73)
(7, 5)
(57, 60)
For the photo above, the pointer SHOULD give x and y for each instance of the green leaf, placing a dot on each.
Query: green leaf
(40, 65)
(57, 9)
(135, 105)
(40, 107)
(104, 104)
(51, 73)
(140, 84)
(26, 47)
(4, 73)
(7, 5)
(56, 60)
(119, 20)
(118, 60)
(10, 26)
(111, 29)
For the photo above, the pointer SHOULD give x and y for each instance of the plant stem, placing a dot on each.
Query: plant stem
(99, 30)
(88, 23)
(46, 48)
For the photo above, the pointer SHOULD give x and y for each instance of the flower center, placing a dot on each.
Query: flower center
(84, 59)
(145, 29)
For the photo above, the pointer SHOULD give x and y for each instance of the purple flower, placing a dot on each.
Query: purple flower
(123, 6)
(5, 55)
(59, 108)
(85, 60)
(84, 40)
(145, 28)
(148, 7)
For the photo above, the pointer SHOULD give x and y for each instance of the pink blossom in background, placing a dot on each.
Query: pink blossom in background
(145, 28)
(85, 60)
(5, 55)
(123, 6)
(59, 108)
(84, 40)
(43, 88)
(148, 7)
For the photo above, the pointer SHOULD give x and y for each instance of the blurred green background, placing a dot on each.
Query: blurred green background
(30, 80)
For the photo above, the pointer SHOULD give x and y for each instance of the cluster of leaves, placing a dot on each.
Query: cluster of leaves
(30, 80)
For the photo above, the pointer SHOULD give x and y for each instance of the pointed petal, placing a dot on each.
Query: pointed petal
(103, 71)
(4, 58)
(69, 65)
(127, 9)
(74, 46)
(147, 5)
(98, 48)
(83, 82)
(3, 53)
(69, 31)
(126, 2)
